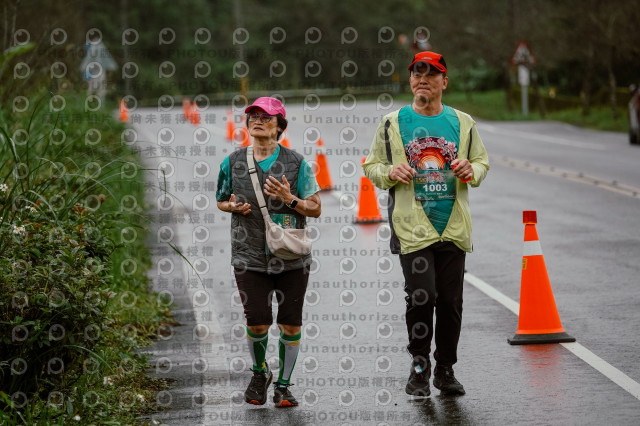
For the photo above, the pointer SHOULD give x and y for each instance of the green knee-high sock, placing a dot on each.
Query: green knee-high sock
(289, 347)
(258, 349)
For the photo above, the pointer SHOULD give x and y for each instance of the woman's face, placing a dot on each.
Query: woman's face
(263, 125)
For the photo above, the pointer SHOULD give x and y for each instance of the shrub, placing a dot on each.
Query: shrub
(52, 299)
(70, 193)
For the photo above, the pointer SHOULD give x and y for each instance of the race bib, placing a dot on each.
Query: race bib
(435, 185)
(287, 221)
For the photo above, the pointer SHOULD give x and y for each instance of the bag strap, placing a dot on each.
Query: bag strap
(387, 143)
(394, 242)
(255, 183)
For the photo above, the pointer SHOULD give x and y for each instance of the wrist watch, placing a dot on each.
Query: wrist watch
(292, 204)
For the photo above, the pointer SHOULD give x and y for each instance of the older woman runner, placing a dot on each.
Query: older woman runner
(292, 195)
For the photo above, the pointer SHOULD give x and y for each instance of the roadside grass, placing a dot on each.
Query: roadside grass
(491, 105)
(75, 300)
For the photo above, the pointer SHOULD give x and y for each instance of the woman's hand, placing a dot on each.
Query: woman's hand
(310, 206)
(232, 206)
(277, 190)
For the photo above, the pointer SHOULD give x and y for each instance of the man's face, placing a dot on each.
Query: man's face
(427, 82)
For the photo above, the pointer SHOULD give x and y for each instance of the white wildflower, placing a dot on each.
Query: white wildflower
(141, 397)
(107, 381)
(4, 187)
(76, 418)
(19, 230)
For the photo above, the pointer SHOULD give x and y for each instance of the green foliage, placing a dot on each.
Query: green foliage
(14, 51)
(52, 301)
(72, 316)
(574, 42)
(491, 105)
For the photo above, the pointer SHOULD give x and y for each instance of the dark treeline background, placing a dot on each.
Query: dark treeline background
(583, 48)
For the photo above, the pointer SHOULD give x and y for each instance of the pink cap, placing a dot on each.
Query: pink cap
(271, 106)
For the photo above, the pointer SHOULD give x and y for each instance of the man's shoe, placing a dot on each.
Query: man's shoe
(418, 383)
(444, 380)
(256, 393)
(282, 397)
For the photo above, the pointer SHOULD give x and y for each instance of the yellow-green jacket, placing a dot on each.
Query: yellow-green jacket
(409, 223)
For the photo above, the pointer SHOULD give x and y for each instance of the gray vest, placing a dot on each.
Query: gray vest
(248, 243)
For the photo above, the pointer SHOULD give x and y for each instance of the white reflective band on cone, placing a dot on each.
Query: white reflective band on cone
(532, 248)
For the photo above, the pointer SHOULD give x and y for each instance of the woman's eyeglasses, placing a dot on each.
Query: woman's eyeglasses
(262, 117)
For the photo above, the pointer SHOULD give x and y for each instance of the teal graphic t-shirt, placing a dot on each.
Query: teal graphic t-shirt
(431, 144)
(307, 184)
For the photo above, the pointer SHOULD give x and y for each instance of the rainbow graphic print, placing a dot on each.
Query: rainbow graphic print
(431, 157)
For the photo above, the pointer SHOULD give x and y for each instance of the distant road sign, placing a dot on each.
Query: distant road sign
(523, 55)
(523, 75)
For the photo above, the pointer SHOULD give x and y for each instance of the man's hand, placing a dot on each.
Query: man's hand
(402, 173)
(462, 169)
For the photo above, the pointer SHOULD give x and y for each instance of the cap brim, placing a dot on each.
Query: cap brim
(250, 107)
(436, 67)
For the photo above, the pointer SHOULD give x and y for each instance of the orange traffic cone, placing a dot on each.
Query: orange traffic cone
(230, 126)
(124, 111)
(242, 136)
(538, 321)
(368, 211)
(285, 141)
(323, 178)
(195, 114)
(186, 108)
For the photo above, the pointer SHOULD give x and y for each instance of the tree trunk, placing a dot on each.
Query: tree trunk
(612, 86)
(239, 22)
(536, 92)
(585, 94)
(124, 25)
(13, 21)
(511, 13)
(5, 34)
(610, 56)
(8, 35)
(467, 85)
(507, 87)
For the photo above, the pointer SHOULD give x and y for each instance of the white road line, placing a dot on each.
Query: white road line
(614, 186)
(542, 138)
(608, 370)
(493, 293)
(617, 376)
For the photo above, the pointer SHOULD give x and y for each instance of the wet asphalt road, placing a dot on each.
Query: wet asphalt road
(352, 367)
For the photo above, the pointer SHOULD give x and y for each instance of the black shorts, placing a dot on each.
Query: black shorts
(257, 290)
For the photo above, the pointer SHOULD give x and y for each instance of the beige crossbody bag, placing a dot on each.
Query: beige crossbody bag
(287, 244)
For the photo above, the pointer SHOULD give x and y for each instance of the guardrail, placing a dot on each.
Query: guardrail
(291, 95)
